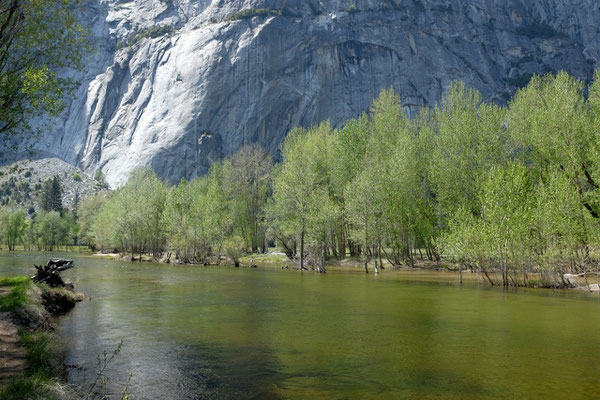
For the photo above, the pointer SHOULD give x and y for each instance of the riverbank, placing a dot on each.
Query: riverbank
(278, 260)
(32, 357)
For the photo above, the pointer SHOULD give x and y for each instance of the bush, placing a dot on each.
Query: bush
(352, 8)
(77, 177)
(234, 249)
(251, 13)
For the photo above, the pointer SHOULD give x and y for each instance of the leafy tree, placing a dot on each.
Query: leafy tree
(36, 39)
(51, 230)
(499, 237)
(234, 249)
(87, 212)
(247, 183)
(12, 226)
(301, 183)
(138, 213)
(467, 138)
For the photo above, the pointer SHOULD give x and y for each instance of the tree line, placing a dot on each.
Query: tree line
(49, 228)
(508, 191)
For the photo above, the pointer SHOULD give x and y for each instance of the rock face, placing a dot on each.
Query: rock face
(179, 84)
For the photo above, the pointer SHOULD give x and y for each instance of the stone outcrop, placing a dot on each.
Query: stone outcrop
(178, 84)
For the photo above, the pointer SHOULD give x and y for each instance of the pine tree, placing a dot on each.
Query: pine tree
(51, 199)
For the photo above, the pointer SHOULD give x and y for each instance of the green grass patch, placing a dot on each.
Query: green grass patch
(41, 374)
(25, 388)
(17, 296)
(39, 358)
(264, 259)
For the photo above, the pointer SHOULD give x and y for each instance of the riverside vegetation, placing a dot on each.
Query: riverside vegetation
(32, 355)
(507, 191)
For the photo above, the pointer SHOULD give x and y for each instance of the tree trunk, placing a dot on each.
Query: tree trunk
(379, 255)
(302, 250)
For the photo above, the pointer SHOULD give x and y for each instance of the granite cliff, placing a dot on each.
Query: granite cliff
(178, 84)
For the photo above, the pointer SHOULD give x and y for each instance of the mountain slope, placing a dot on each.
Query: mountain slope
(178, 84)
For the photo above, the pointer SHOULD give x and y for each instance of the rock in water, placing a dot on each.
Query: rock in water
(179, 84)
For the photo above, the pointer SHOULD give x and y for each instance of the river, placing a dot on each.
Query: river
(193, 332)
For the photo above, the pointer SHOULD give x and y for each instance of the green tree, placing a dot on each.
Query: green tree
(500, 236)
(302, 182)
(87, 213)
(51, 230)
(36, 39)
(554, 124)
(138, 210)
(246, 179)
(13, 226)
(51, 197)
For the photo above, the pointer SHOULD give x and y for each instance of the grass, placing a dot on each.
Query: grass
(264, 259)
(17, 297)
(42, 377)
(39, 357)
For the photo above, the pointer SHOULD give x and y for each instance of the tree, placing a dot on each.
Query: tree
(36, 39)
(51, 197)
(466, 138)
(13, 226)
(247, 183)
(51, 230)
(499, 236)
(234, 249)
(138, 210)
(87, 213)
(301, 183)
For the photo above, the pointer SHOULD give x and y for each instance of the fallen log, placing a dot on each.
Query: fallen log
(50, 273)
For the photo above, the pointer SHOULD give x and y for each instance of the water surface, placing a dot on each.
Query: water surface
(193, 332)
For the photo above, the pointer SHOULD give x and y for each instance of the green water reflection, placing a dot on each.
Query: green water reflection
(207, 332)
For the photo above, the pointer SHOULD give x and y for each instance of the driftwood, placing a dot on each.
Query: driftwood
(50, 273)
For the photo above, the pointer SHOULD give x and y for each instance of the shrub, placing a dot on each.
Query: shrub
(234, 248)
(77, 177)
(251, 13)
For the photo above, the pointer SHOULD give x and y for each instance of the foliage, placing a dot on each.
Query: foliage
(507, 191)
(17, 296)
(234, 248)
(12, 227)
(51, 197)
(36, 39)
(135, 218)
(251, 13)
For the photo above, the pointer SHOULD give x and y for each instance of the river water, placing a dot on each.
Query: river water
(192, 332)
